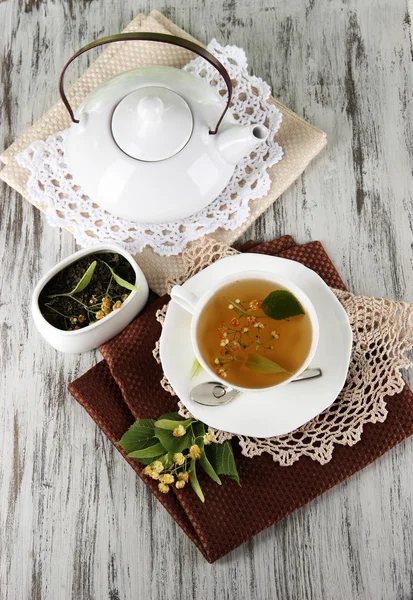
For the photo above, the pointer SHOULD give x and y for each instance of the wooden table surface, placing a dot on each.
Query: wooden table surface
(75, 521)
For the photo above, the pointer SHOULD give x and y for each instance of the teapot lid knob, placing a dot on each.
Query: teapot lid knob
(152, 124)
(150, 108)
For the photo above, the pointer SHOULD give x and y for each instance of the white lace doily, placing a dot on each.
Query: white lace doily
(51, 184)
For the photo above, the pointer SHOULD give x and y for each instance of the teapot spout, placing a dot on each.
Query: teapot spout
(236, 141)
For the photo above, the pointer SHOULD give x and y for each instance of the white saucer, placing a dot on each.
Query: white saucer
(279, 411)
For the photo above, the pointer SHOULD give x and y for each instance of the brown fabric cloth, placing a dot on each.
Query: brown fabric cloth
(125, 387)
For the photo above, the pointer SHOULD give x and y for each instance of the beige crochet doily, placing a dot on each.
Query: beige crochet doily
(382, 336)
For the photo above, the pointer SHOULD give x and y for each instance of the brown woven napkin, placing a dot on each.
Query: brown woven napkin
(125, 386)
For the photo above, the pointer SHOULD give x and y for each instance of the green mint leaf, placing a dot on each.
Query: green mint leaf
(150, 452)
(196, 368)
(170, 425)
(139, 435)
(260, 364)
(120, 281)
(222, 460)
(193, 479)
(281, 304)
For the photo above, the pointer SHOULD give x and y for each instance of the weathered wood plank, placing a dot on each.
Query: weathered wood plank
(74, 520)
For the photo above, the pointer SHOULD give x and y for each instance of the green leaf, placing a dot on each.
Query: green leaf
(199, 431)
(150, 452)
(170, 442)
(170, 425)
(120, 281)
(149, 461)
(139, 435)
(173, 416)
(196, 368)
(222, 460)
(194, 481)
(281, 304)
(261, 364)
(208, 468)
(84, 281)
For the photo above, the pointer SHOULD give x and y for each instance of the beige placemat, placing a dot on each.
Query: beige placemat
(300, 141)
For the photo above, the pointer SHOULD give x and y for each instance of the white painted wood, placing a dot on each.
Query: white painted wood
(75, 521)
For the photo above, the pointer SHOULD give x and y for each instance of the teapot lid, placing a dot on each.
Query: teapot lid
(152, 123)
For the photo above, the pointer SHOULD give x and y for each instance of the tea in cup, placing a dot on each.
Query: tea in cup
(253, 330)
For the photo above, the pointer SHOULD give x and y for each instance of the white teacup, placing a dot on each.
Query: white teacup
(194, 305)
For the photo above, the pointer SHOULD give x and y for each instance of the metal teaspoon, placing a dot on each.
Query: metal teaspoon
(215, 393)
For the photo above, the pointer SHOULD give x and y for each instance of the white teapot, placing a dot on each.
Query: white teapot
(156, 144)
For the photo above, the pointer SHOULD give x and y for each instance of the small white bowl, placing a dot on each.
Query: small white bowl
(94, 335)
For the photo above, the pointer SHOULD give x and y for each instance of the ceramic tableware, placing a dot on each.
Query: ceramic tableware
(195, 305)
(98, 333)
(285, 408)
(215, 393)
(156, 144)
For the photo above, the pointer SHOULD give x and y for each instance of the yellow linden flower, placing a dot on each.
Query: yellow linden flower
(163, 488)
(147, 470)
(180, 484)
(117, 305)
(208, 439)
(157, 466)
(100, 314)
(106, 308)
(167, 478)
(179, 458)
(195, 452)
(106, 301)
(275, 335)
(183, 476)
(255, 305)
(179, 431)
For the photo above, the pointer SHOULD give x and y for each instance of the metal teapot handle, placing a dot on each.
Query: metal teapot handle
(150, 37)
